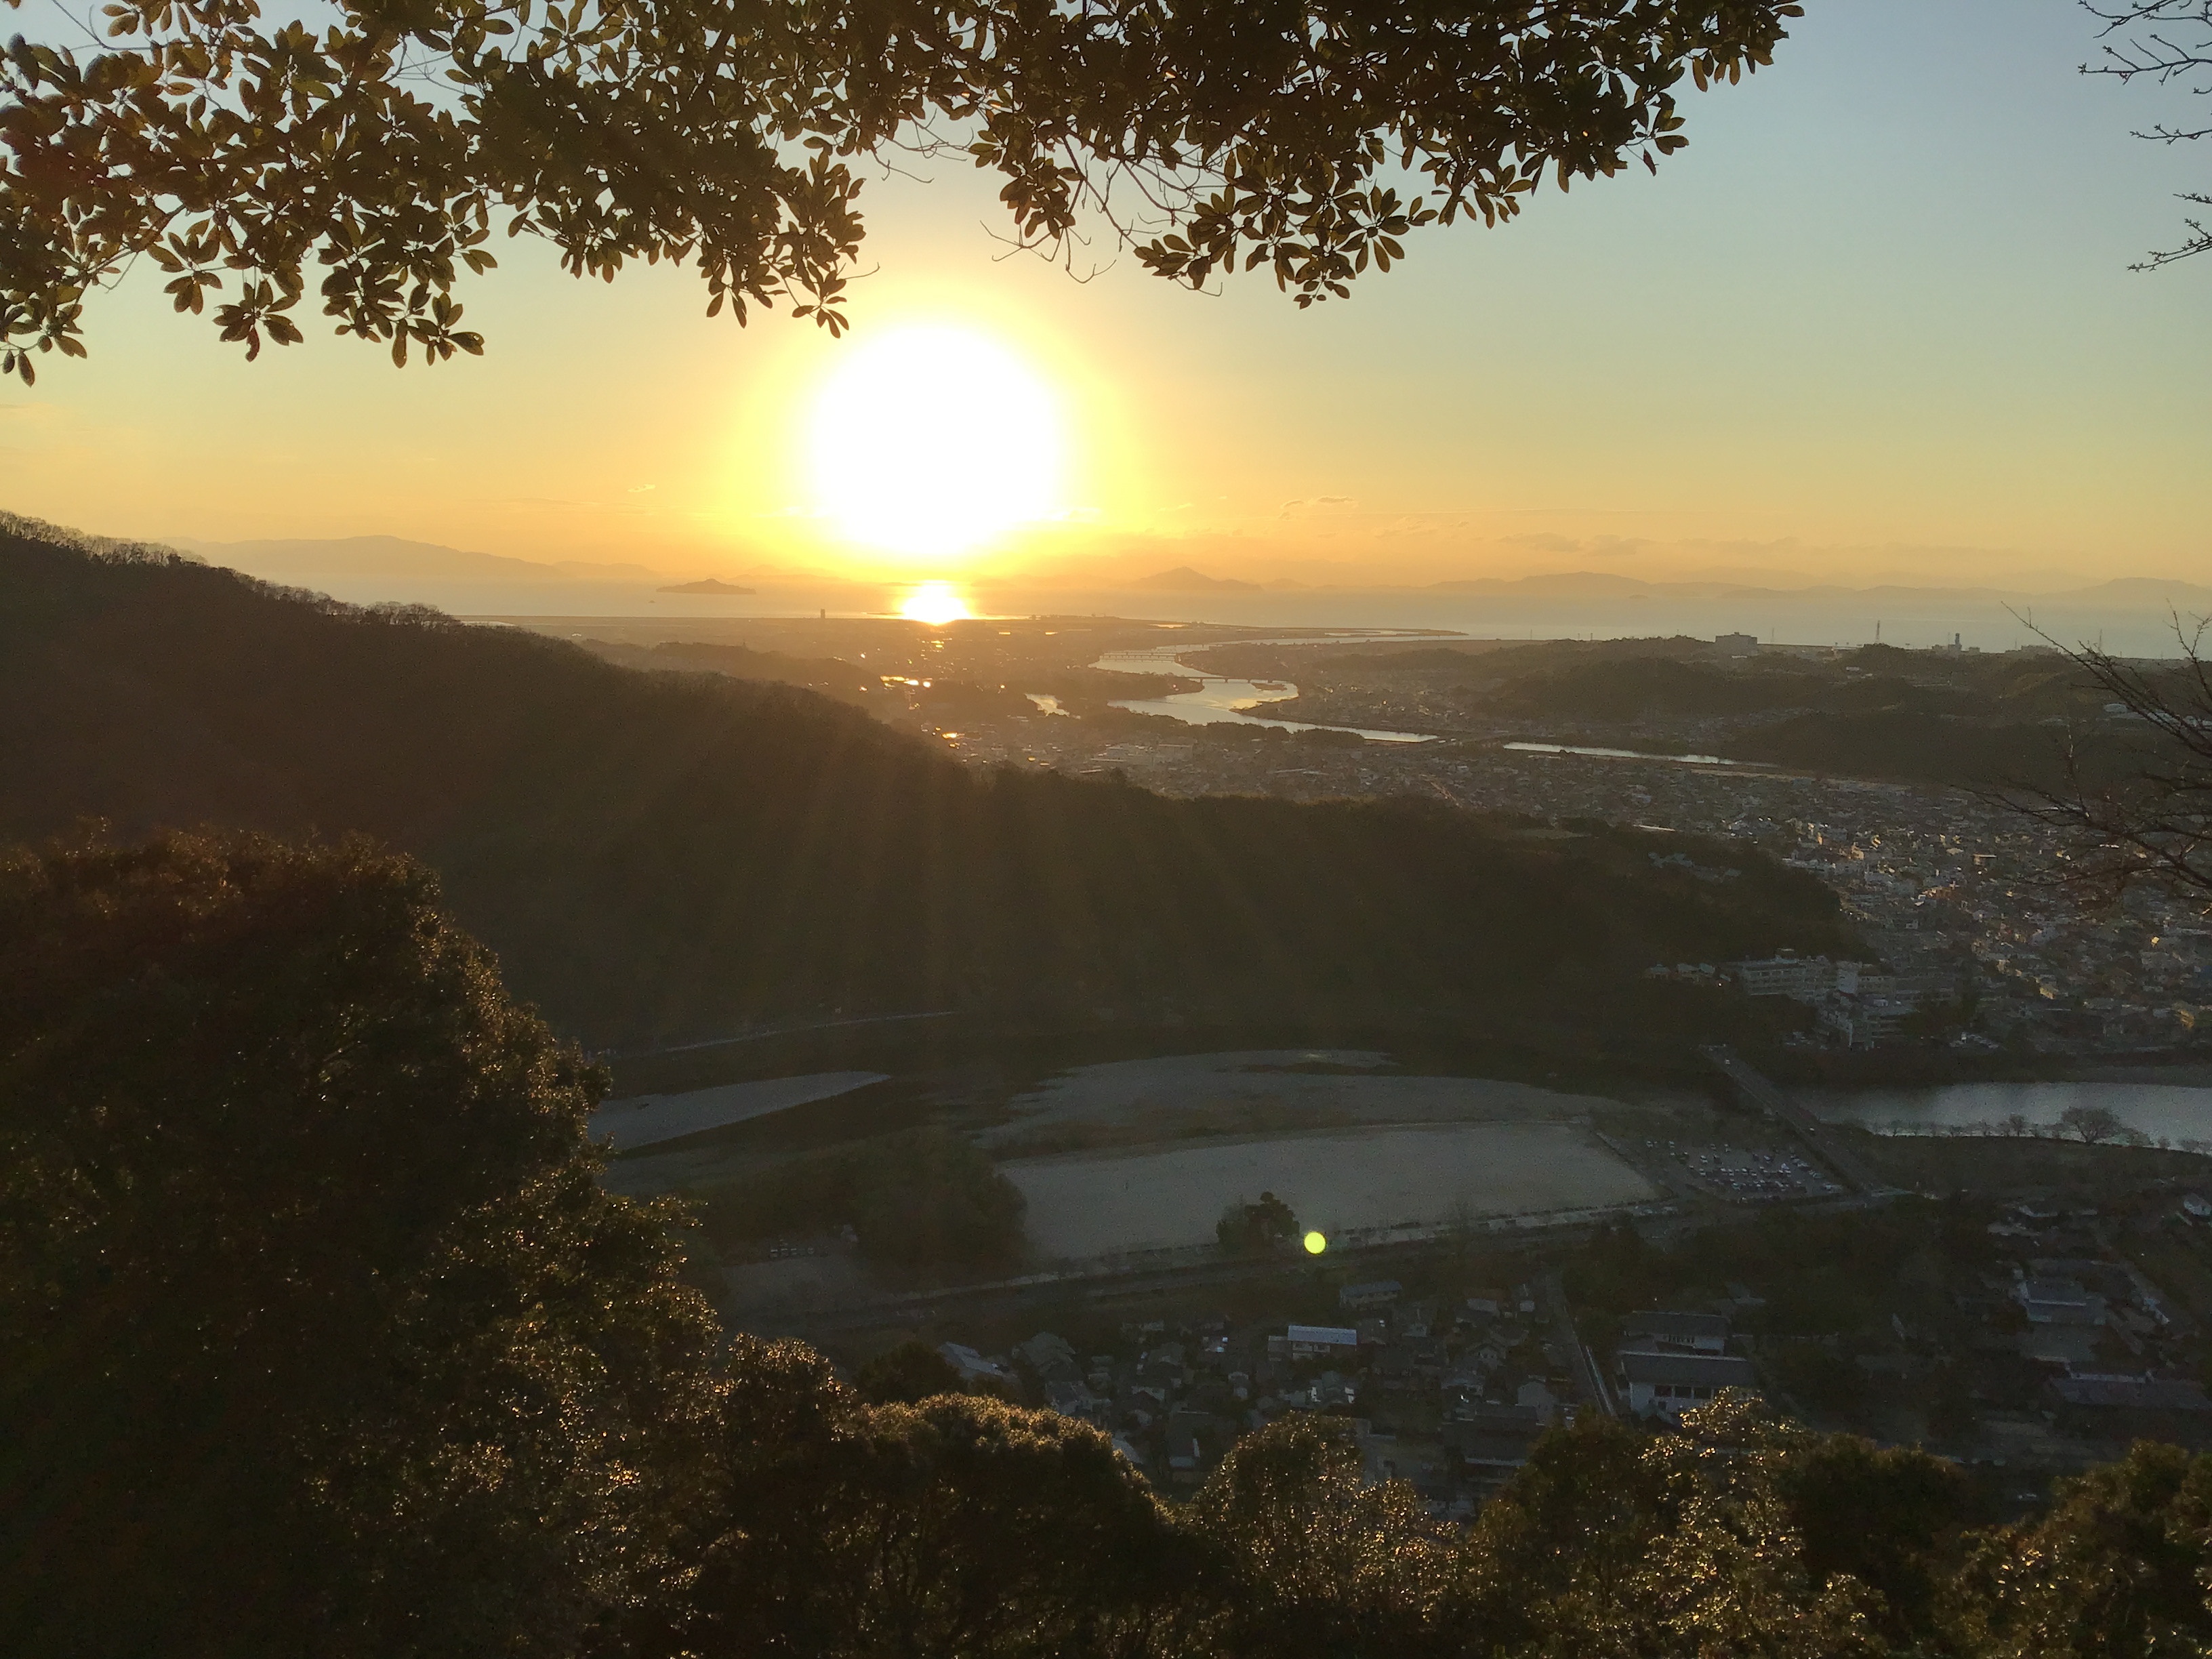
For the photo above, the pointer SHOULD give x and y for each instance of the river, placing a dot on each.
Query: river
(1617, 754)
(2165, 1111)
(1220, 700)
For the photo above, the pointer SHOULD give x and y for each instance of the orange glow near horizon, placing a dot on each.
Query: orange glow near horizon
(936, 603)
(1969, 391)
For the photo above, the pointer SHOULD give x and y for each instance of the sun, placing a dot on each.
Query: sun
(934, 441)
(936, 603)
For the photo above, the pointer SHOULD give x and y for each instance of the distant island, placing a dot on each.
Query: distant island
(705, 585)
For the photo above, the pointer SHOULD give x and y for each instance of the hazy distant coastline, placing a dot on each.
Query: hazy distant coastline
(2132, 616)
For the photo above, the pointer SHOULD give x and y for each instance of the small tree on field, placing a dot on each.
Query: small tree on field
(1266, 1226)
(2092, 1125)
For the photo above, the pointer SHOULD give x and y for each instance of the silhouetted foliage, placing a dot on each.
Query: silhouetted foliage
(1823, 1273)
(1967, 718)
(321, 1335)
(831, 676)
(1557, 1549)
(1816, 1374)
(323, 1339)
(927, 1197)
(1615, 1269)
(1881, 1514)
(1906, 743)
(1320, 1562)
(956, 1526)
(1268, 1224)
(682, 854)
(1968, 721)
(1213, 138)
(2094, 1125)
(2116, 1567)
(1613, 1541)
(906, 1375)
(1624, 688)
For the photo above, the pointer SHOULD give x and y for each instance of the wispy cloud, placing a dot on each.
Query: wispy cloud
(1304, 504)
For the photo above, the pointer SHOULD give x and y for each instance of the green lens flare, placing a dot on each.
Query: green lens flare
(1315, 1243)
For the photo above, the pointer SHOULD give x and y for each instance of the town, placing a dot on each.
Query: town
(1951, 887)
(2023, 1338)
(2023, 1298)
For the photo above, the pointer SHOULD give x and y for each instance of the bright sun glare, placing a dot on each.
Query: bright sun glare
(934, 441)
(934, 603)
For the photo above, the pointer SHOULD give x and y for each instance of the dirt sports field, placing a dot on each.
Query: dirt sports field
(1102, 1203)
(1257, 1092)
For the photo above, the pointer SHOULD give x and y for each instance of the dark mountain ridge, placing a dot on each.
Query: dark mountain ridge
(669, 853)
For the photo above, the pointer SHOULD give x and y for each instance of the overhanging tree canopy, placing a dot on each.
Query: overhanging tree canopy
(384, 151)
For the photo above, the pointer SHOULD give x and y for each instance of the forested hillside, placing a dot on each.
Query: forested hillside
(675, 853)
(323, 1339)
(1964, 719)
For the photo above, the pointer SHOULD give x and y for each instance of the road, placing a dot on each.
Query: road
(1818, 1138)
(972, 1301)
(1583, 1368)
(766, 1032)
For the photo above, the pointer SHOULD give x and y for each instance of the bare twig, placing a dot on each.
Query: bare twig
(2163, 41)
(2140, 812)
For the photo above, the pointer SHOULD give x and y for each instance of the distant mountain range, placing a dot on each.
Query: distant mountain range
(1604, 584)
(302, 560)
(369, 557)
(1183, 579)
(2126, 592)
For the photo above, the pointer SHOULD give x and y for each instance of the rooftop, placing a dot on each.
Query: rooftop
(1700, 1370)
(1680, 1326)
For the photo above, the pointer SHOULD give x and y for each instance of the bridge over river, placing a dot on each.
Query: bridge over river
(1819, 1138)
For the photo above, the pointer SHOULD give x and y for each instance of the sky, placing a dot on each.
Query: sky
(1874, 325)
